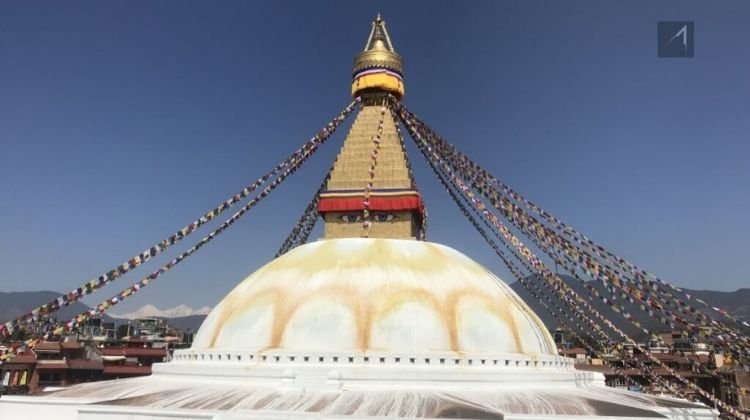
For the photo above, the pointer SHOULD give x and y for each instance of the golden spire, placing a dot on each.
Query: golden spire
(394, 204)
(378, 67)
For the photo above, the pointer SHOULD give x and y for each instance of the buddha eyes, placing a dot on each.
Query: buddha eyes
(376, 217)
(383, 217)
(351, 217)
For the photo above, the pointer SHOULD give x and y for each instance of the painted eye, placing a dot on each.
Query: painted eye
(384, 217)
(351, 217)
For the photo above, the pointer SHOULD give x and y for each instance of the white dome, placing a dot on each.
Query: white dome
(363, 329)
(383, 295)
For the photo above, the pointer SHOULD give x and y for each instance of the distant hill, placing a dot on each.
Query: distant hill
(737, 303)
(14, 304)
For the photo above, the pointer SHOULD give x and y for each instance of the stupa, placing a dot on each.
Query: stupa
(357, 327)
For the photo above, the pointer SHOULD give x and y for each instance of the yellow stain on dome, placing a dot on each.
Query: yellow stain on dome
(234, 306)
(344, 294)
(492, 306)
(390, 299)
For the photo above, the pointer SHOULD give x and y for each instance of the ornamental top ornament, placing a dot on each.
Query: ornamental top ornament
(378, 67)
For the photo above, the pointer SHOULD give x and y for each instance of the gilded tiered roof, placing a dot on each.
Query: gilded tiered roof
(379, 51)
(353, 161)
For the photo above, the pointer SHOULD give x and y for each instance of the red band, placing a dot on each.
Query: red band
(410, 202)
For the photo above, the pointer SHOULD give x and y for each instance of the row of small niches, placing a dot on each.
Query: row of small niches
(368, 359)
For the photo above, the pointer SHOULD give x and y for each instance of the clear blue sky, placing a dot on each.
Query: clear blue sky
(123, 121)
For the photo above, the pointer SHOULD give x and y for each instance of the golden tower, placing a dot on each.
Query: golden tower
(394, 206)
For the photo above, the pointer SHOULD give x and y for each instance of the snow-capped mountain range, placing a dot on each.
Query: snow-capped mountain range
(152, 311)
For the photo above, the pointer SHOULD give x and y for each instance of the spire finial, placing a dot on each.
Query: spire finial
(376, 66)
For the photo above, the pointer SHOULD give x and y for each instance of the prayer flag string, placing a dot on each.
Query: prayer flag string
(423, 227)
(306, 222)
(531, 228)
(289, 167)
(653, 303)
(460, 201)
(302, 229)
(522, 280)
(638, 273)
(376, 139)
(650, 304)
(564, 291)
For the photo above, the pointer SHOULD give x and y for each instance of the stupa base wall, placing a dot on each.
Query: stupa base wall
(411, 406)
(371, 393)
